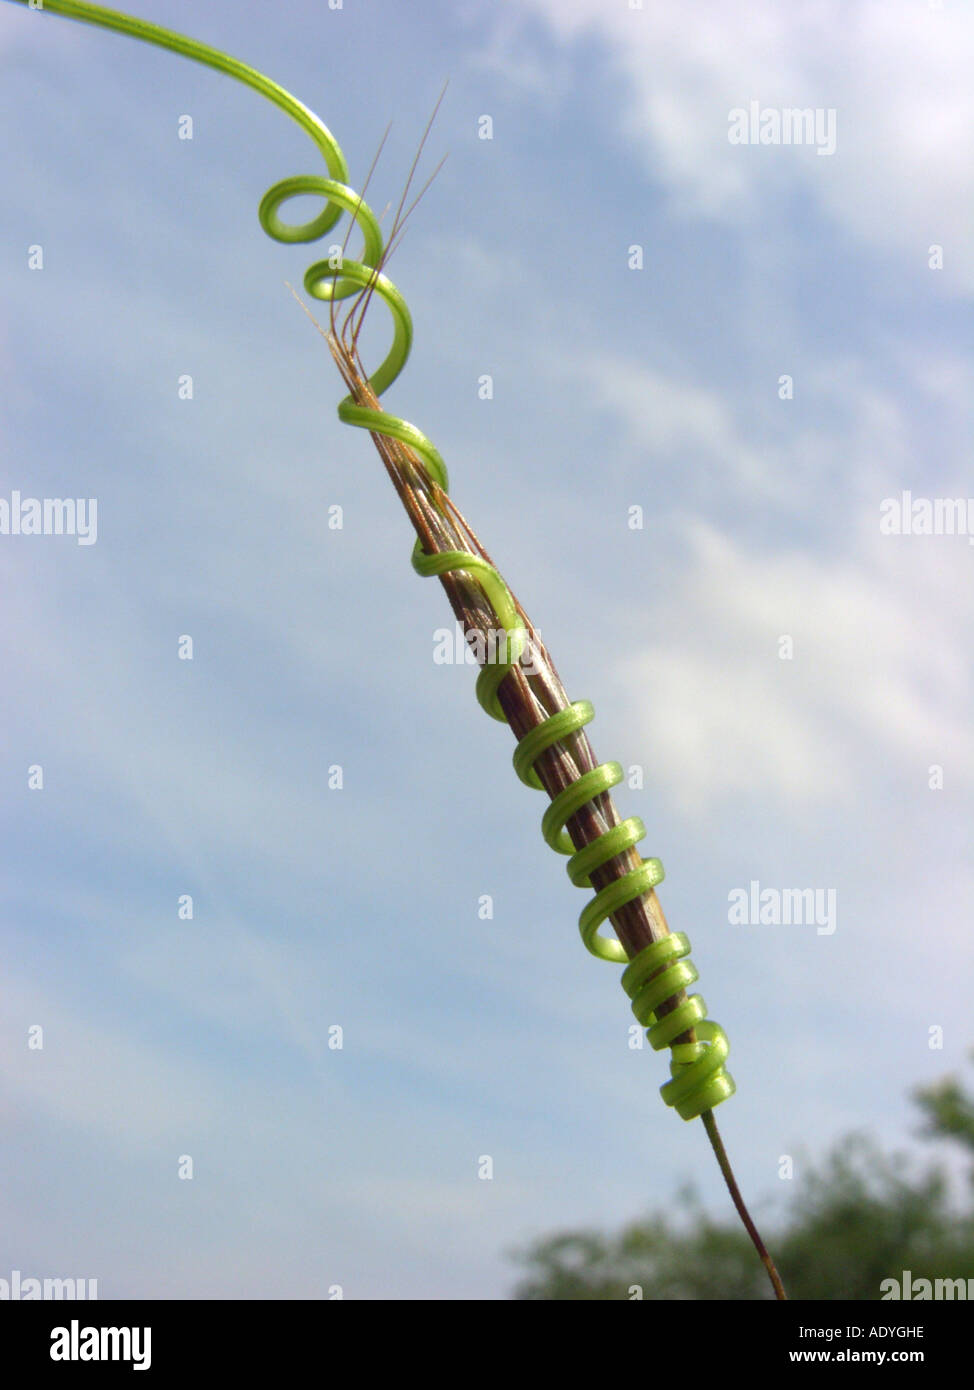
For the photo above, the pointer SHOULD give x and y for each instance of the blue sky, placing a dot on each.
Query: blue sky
(613, 388)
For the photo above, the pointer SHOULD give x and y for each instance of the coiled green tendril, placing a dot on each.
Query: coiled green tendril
(660, 970)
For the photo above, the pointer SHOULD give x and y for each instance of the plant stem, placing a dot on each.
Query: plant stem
(717, 1144)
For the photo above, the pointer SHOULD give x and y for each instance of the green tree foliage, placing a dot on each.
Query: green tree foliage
(860, 1218)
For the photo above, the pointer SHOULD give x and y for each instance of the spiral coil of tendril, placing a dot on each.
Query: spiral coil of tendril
(657, 973)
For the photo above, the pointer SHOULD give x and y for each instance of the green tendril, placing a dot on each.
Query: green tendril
(657, 973)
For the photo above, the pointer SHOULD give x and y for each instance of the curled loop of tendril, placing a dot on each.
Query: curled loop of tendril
(657, 973)
(699, 1079)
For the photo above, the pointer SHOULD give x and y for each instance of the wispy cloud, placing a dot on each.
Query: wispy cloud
(897, 76)
(877, 676)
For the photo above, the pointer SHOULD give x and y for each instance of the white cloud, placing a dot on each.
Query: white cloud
(663, 413)
(897, 76)
(878, 679)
